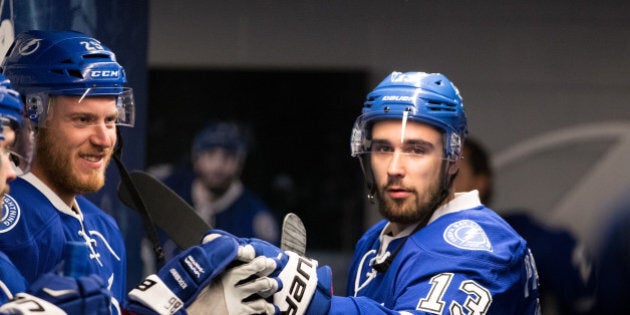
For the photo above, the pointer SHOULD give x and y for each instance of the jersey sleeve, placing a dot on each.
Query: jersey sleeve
(11, 280)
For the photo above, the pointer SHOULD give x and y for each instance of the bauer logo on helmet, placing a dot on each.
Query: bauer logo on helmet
(398, 98)
(409, 77)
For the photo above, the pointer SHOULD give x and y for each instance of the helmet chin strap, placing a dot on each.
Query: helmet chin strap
(445, 184)
(371, 195)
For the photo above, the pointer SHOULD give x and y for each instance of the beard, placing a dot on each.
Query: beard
(218, 185)
(56, 163)
(411, 210)
(5, 191)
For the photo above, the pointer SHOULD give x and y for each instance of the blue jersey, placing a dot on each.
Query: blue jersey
(11, 280)
(37, 224)
(463, 262)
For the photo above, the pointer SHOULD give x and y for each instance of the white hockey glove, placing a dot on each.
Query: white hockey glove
(24, 303)
(300, 287)
(304, 288)
(240, 290)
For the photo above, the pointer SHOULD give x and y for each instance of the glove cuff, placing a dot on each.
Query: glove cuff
(321, 299)
(24, 303)
(154, 294)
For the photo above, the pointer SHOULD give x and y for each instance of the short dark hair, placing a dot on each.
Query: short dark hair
(479, 161)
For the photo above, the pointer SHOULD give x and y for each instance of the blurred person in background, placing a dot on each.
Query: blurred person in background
(613, 264)
(214, 188)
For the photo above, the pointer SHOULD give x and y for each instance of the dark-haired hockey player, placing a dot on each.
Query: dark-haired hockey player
(436, 252)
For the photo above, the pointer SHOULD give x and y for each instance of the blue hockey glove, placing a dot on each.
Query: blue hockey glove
(82, 295)
(182, 279)
(249, 247)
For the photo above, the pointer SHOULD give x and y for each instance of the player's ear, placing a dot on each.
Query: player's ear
(453, 167)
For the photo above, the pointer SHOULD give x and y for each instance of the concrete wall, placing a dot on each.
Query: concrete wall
(545, 83)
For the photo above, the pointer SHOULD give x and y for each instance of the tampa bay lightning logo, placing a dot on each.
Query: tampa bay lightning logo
(10, 214)
(467, 234)
(29, 47)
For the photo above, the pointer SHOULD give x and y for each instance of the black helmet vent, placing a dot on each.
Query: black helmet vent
(75, 73)
(440, 106)
(97, 56)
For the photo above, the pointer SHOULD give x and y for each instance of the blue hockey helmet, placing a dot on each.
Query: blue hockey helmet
(429, 98)
(11, 108)
(12, 116)
(226, 135)
(41, 64)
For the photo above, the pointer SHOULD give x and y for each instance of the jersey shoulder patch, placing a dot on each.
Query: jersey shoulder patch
(467, 234)
(10, 214)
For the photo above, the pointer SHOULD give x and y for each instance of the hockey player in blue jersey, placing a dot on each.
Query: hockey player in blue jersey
(11, 119)
(74, 96)
(16, 295)
(436, 252)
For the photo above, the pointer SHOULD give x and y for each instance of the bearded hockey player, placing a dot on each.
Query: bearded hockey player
(435, 252)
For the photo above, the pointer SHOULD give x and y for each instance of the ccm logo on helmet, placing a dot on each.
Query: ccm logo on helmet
(298, 285)
(104, 73)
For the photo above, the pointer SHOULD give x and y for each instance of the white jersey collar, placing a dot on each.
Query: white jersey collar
(51, 196)
(386, 238)
(462, 201)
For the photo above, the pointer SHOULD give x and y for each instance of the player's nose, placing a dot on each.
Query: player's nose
(103, 135)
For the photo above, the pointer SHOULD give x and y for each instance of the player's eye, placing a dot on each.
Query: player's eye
(82, 119)
(415, 150)
(380, 147)
(15, 158)
(110, 120)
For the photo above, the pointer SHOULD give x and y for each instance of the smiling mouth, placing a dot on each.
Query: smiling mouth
(92, 157)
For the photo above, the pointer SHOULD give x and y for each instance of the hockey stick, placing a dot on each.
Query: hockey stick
(136, 200)
(180, 221)
(293, 234)
(169, 211)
